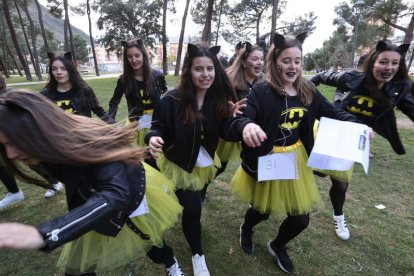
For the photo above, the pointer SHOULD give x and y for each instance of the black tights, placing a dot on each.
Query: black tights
(337, 194)
(8, 179)
(191, 223)
(219, 171)
(291, 227)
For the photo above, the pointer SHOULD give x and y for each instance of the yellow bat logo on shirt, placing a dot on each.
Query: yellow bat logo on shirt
(65, 105)
(362, 105)
(293, 117)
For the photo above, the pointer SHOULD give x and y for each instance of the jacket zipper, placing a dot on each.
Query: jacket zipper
(54, 233)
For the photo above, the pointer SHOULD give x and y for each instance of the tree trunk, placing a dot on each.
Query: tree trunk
(206, 36)
(26, 39)
(274, 18)
(180, 41)
(13, 57)
(410, 61)
(95, 60)
(164, 37)
(14, 39)
(408, 38)
(33, 35)
(72, 48)
(42, 27)
(3, 67)
(219, 21)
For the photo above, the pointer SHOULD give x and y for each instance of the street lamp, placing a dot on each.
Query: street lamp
(357, 8)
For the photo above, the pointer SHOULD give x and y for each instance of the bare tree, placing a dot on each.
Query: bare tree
(13, 35)
(206, 36)
(68, 28)
(164, 37)
(88, 11)
(274, 18)
(42, 27)
(180, 41)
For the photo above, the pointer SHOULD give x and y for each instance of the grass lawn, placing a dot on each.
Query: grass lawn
(381, 241)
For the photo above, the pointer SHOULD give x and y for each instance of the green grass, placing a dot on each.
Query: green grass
(381, 241)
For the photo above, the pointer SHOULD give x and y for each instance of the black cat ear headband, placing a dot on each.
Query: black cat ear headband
(193, 49)
(67, 55)
(279, 40)
(382, 45)
(125, 43)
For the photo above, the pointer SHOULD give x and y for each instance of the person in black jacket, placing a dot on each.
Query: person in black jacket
(187, 125)
(118, 207)
(141, 85)
(71, 93)
(278, 120)
(371, 94)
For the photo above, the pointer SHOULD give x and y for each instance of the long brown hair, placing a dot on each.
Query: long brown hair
(370, 82)
(41, 129)
(236, 71)
(221, 89)
(273, 76)
(129, 73)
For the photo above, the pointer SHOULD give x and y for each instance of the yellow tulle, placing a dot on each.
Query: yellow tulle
(280, 197)
(193, 181)
(228, 151)
(94, 252)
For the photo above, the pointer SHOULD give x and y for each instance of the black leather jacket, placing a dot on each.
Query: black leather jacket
(183, 141)
(134, 101)
(264, 107)
(400, 92)
(83, 104)
(100, 197)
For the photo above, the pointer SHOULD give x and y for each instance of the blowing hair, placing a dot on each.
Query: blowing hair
(129, 73)
(221, 90)
(236, 71)
(273, 76)
(41, 129)
(370, 82)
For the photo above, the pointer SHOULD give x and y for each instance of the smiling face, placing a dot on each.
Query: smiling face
(385, 67)
(289, 65)
(135, 58)
(13, 153)
(254, 64)
(60, 73)
(202, 73)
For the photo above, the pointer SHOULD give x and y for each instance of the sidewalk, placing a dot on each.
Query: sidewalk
(105, 76)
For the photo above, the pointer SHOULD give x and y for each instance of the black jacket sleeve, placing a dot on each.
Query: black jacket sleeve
(116, 98)
(96, 108)
(406, 104)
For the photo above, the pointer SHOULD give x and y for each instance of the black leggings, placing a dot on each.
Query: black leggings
(337, 195)
(191, 223)
(8, 179)
(291, 227)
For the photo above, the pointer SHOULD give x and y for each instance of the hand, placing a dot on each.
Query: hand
(371, 134)
(20, 236)
(236, 108)
(253, 135)
(155, 145)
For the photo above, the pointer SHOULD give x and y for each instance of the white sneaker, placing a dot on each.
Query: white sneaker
(200, 266)
(11, 198)
(340, 227)
(56, 188)
(174, 270)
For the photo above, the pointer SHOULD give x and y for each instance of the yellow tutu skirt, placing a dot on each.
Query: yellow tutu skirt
(194, 181)
(94, 252)
(280, 197)
(345, 176)
(227, 151)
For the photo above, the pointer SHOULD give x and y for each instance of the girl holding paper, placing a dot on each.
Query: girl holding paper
(279, 119)
(186, 129)
(105, 184)
(370, 94)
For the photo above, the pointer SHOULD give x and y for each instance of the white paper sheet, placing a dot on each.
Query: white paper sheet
(277, 166)
(338, 144)
(145, 121)
(203, 158)
(142, 208)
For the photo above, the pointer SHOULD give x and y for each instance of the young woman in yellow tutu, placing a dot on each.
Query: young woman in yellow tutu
(279, 118)
(246, 70)
(186, 128)
(118, 208)
(142, 87)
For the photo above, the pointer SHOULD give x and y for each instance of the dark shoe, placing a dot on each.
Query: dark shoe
(203, 200)
(246, 240)
(283, 260)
